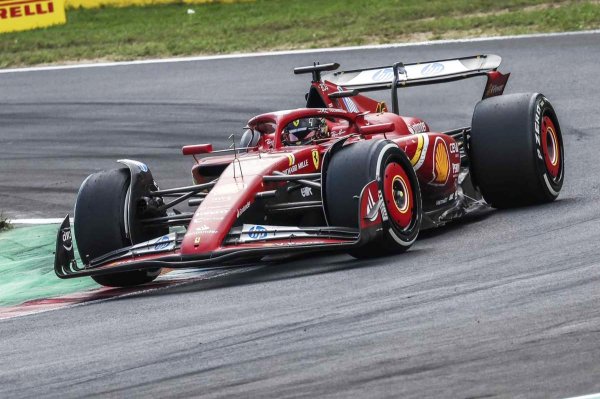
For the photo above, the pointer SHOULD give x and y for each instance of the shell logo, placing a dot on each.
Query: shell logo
(441, 167)
(291, 159)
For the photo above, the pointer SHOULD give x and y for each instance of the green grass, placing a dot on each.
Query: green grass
(161, 31)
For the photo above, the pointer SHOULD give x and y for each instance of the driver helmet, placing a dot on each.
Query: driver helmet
(304, 131)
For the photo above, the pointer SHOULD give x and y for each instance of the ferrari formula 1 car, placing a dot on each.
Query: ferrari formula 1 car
(342, 174)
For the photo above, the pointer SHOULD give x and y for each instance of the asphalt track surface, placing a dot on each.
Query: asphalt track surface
(503, 305)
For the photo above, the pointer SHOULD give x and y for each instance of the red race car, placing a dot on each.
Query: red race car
(342, 174)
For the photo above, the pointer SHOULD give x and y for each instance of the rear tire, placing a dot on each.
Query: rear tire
(100, 225)
(353, 167)
(516, 150)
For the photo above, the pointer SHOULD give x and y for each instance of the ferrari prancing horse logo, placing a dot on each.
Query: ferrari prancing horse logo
(315, 158)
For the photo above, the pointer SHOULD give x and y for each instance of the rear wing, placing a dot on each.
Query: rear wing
(414, 74)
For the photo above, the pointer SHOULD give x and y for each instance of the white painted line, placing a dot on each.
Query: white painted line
(36, 221)
(591, 396)
(295, 52)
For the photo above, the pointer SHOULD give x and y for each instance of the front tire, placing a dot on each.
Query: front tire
(516, 150)
(356, 165)
(100, 225)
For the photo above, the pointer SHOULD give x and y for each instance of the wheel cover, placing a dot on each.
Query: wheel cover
(398, 195)
(551, 147)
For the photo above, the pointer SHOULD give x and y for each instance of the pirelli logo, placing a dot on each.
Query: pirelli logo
(16, 15)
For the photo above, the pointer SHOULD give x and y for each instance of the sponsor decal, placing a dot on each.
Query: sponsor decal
(306, 191)
(162, 243)
(441, 166)
(494, 90)
(348, 103)
(228, 188)
(205, 218)
(30, 14)
(205, 230)
(381, 107)
(221, 198)
(323, 87)
(382, 75)
(197, 241)
(453, 148)
(419, 127)
(206, 212)
(442, 201)
(418, 158)
(431, 69)
(291, 159)
(445, 200)
(455, 168)
(296, 123)
(315, 158)
(297, 167)
(257, 232)
(370, 205)
(323, 111)
(538, 120)
(253, 232)
(294, 243)
(67, 239)
(382, 210)
(243, 209)
(142, 166)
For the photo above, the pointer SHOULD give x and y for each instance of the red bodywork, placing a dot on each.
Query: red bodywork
(234, 200)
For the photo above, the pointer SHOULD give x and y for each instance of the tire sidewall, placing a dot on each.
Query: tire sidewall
(392, 153)
(550, 186)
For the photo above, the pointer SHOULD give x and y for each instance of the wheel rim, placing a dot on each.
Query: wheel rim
(550, 147)
(398, 195)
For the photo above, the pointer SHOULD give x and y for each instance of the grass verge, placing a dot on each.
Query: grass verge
(168, 30)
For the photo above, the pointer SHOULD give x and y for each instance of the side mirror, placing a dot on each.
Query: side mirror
(197, 149)
(376, 129)
(249, 139)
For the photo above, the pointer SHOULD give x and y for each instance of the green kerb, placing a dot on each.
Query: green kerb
(26, 266)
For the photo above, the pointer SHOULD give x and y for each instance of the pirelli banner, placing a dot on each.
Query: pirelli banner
(18, 15)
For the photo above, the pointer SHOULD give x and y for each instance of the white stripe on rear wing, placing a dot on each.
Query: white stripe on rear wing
(415, 74)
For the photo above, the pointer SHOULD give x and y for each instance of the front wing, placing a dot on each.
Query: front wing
(165, 251)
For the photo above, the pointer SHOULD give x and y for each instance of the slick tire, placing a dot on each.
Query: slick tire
(100, 224)
(516, 150)
(353, 167)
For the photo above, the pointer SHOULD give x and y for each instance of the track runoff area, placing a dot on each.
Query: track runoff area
(28, 284)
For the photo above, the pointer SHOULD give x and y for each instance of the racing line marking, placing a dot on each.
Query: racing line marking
(296, 52)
